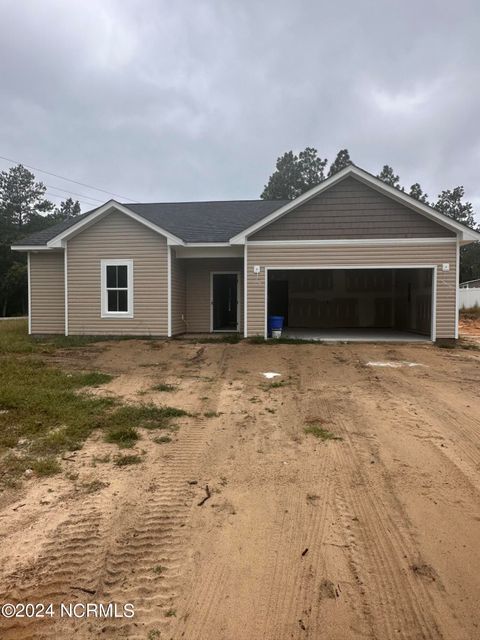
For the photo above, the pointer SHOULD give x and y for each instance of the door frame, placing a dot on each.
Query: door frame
(220, 273)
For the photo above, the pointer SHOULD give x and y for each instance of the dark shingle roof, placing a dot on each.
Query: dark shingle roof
(190, 221)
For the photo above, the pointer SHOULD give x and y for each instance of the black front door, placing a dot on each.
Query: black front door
(224, 301)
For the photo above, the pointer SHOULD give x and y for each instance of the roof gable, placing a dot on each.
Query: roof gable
(351, 210)
(184, 222)
(463, 232)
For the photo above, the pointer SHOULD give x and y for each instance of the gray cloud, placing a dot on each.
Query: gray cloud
(195, 100)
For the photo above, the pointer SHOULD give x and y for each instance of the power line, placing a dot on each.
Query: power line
(72, 193)
(51, 194)
(55, 175)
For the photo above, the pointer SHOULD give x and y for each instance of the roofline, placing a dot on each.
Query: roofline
(58, 240)
(29, 247)
(352, 170)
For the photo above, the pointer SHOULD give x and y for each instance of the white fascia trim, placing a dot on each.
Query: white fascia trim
(334, 267)
(104, 313)
(28, 247)
(206, 244)
(29, 296)
(169, 292)
(351, 242)
(65, 273)
(57, 241)
(370, 180)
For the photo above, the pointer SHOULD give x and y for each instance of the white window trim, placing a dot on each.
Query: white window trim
(103, 283)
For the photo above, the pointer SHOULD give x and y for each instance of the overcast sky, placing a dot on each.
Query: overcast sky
(161, 101)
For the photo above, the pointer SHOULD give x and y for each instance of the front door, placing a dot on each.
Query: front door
(224, 302)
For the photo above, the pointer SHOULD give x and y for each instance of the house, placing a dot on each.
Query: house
(353, 258)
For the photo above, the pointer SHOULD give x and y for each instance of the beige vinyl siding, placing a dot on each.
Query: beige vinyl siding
(47, 292)
(351, 210)
(117, 237)
(179, 294)
(354, 256)
(198, 290)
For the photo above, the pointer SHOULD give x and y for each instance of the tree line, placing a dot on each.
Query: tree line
(296, 174)
(24, 209)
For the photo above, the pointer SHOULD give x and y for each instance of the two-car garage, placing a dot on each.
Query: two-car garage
(352, 303)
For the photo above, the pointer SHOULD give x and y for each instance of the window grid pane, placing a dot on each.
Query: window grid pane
(117, 288)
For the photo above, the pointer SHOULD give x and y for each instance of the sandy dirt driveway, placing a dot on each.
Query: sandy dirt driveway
(374, 534)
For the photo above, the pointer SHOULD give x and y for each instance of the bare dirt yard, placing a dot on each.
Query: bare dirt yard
(343, 498)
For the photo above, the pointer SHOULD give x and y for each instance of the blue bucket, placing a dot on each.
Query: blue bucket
(275, 323)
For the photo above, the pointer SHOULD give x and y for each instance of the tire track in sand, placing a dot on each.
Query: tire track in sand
(381, 548)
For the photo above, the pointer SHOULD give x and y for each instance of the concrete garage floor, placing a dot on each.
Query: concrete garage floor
(354, 335)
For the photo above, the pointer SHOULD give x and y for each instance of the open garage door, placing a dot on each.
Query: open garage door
(353, 304)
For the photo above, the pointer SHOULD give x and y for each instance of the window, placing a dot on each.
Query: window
(117, 288)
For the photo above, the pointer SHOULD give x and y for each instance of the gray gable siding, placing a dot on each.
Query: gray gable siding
(351, 210)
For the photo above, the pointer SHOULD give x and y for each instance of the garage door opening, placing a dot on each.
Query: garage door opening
(353, 304)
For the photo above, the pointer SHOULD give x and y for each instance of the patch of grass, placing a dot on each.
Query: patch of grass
(168, 388)
(162, 439)
(146, 416)
(276, 385)
(48, 466)
(212, 414)
(153, 634)
(124, 461)
(320, 433)
(159, 569)
(100, 459)
(124, 435)
(94, 486)
(46, 407)
(171, 613)
(94, 379)
(269, 410)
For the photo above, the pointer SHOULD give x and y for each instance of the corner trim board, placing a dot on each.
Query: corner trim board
(29, 296)
(65, 273)
(169, 291)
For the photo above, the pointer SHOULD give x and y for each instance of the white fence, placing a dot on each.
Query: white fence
(469, 297)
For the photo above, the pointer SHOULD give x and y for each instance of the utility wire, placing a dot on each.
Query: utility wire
(73, 193)
(49, 196)
(55, 175)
